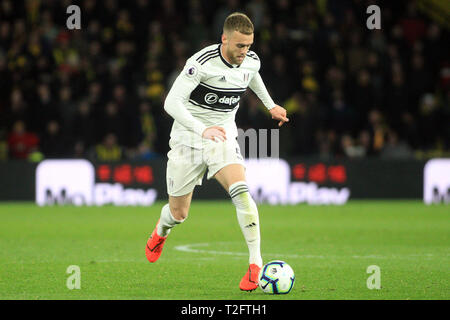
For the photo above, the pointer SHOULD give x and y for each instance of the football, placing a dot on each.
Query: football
(276, 277)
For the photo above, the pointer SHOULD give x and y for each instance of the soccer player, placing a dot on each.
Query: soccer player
(203, 101)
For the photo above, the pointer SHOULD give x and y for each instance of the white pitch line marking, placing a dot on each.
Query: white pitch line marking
(193, 248)
(203, 248)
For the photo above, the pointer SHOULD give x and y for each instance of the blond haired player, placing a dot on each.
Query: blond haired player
(203, 101)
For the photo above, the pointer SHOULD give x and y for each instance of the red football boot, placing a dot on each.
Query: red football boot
(154, 246)
(250, 281)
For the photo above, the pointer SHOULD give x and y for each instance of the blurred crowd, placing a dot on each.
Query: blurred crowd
(98, 92)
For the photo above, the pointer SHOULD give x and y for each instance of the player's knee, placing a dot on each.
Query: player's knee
(179, 213)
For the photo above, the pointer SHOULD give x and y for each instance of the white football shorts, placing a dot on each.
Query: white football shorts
(186, 165)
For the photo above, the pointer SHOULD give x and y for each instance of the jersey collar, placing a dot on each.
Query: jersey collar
(225, 61)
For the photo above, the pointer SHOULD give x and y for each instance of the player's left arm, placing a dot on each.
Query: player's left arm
(277, 112)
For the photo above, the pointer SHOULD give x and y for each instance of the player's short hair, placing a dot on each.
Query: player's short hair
(238, 22)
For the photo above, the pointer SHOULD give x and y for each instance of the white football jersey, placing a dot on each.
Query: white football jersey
(207, 93)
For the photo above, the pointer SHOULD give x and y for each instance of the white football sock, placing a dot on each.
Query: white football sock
(166, 222)
(248, 218)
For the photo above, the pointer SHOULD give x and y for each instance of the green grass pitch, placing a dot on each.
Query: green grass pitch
(329, 248)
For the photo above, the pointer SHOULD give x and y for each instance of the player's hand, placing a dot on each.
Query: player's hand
(215, 133)
(279, 113)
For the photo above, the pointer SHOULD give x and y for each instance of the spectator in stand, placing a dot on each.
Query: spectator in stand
(356, 53)
(108, 150)
(21, 143)
(327, 142)
(366, 143)
(279, 72)
(17, 109)
(420, 80)
(3, 146)
(111, 122)
(254, 115)
(83, 125)
(362, 96)
(429, 118)
(378, 129)
(395, 148)
(397, 98)
(351, 149)
(53, 143)
(46, 109)
(341, 115)
(66, 104)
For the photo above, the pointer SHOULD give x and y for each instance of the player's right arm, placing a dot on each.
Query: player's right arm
(179, 95)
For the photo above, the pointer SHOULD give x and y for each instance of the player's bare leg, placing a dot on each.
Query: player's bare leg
(232, 178)
(173, 213)
(179, 206)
